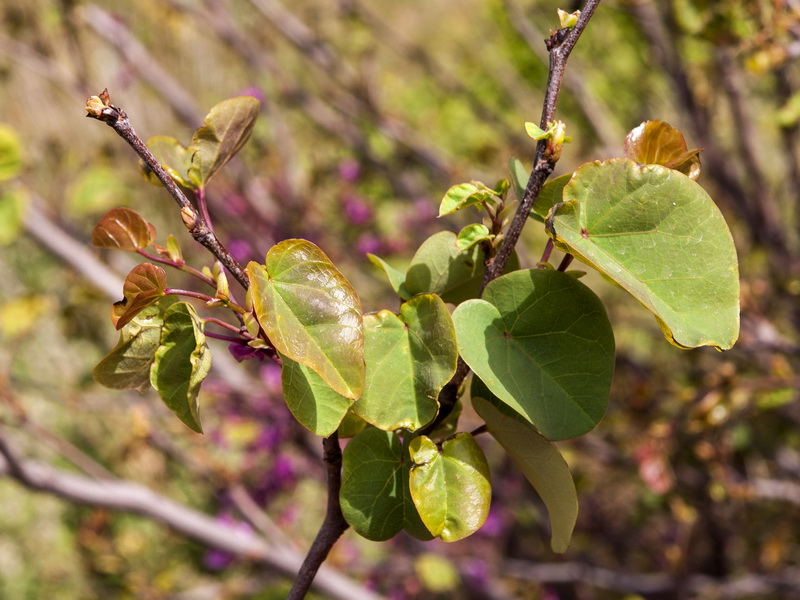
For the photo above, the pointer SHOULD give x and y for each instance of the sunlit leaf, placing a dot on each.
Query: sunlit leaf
(659, 143)
(181, 363)
(173, 157)
(312, 402)
(10, 153)
(127, 366)
(226, 129)
(538, 459)
(123, 229)
(660, 236)
(396, 278)
(409, 360)
(541, 342)
(374, 495)
(464, 195)
(451, 488)
(311, 313)
(472, 234)
(143, 286)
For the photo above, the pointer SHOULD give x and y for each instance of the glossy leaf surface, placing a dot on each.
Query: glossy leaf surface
(312, 402)
(409, 360)
(226, 129)
(463, 195)
(311, 313)
(123, 229)
(374, 494)
(660, 236)
(541, 342)
(143, 286)
(472, 234)
(127, 366)
(181, 363)
(537, 458)
(659, 143)
(451, 489)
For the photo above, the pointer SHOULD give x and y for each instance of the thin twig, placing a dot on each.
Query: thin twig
(332, 527)
(560, 49)
(117, 119)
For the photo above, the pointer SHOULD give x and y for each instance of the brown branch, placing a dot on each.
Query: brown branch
(560, 46)
(102, 110)
(332, 527)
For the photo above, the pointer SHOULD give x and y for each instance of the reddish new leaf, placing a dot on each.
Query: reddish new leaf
(123, 229)
(144, 285)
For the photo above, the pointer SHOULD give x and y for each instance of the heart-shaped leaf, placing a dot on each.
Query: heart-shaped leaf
(451, 488)
(311, 313)
(409, 360)
(123, 229)
(538, 459)
(541, 342)
(659, 143)
(181, 363)
(660, 236)
(312, 402)
(144, 285)
(173, 157)
(374, 495)
(226, 129)
(439, 267)
(127, 366)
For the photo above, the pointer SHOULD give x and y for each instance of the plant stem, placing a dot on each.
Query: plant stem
(117, 119)
(560, 46)
(332, 527)
(227, 326)
(176, 265)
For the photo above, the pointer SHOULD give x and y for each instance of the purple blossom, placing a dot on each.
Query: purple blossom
(368, 244)
(217, 560)
(240, 249)
(271, 376)
(349, 170)
(242, 352)
(356, 210)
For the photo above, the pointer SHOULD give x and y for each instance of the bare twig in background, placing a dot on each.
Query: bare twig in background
(119, 36)
(134, 498)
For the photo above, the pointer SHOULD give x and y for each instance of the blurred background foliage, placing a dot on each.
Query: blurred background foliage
(371, 110)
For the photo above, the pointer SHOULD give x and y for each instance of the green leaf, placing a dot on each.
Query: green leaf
(409, 360)
(519, 176)
(438, 267)
(374, 489)
(127, 366)
(311, 313)
(143, 286)
(10, 153)
(13, 207)
(659, 143)
(451, 488)
(96, 190)
(536, 132)
(660, 236)
(227, 127)
(173, 157)
(181, 363)
(464, 195)
(396, 278)
(538, 459)
(312, 402)
(541, 342)
(123, 229)
(550, 195)
(471, 235)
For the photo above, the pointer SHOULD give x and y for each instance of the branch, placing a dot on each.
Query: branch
(134, 498)
(332, 527)
(100, 108)
(560, 47)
